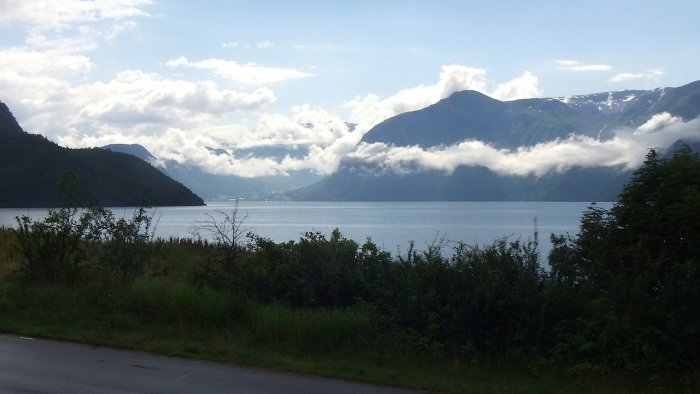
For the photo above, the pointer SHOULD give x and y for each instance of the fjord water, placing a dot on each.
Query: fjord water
(391, 225)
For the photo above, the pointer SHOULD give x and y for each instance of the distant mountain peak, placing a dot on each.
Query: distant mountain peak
(472, 94)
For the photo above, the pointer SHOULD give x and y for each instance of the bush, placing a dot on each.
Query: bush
(59, 248)
(497, 298)
(127, 245)
(55, 249)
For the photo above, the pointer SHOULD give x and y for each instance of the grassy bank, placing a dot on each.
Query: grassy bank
(173, 319)
(166, 311)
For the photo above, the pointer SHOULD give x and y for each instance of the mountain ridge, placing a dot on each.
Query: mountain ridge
(31, 167)
(525, 122)
(503, 125)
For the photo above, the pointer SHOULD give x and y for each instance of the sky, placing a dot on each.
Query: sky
(179, 77)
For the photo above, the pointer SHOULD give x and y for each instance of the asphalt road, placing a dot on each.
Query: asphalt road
(42, 366)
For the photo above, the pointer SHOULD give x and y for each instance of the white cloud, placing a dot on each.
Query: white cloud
(230, 44)
(249, 74)
(318, 46)
(71, 25)
(26, 62)
(370, 110)
(82, 40)
(525, 86)
(305, 126)
(325, 135)
(265, 44)
(187, 147)
(626, 149)
(119, 28)
(42, 88)
(658, 121)
(574, 65)
(626, 77)
(51, 14)
(37, 76)
(138, 97)
(35, 83)
(652, 75)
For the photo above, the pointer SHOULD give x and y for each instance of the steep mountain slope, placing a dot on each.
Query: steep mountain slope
(470, 115)
(31, 166)
(465, 184)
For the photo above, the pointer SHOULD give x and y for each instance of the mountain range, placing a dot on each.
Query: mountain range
(31, 167)
(463, 117)
(511, 125)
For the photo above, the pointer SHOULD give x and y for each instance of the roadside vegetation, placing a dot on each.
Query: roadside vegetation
(615, 308)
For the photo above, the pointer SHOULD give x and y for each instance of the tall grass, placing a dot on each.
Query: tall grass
(304, 331)
(164, 301)
(9, 258)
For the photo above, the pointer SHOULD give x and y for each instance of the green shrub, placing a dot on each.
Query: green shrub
(127, 245)
(54, 248)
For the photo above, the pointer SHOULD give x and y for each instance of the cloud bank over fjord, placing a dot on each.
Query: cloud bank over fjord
(626, 149)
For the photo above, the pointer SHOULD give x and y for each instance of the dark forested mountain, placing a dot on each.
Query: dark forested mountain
(470, 115)
(31, 167)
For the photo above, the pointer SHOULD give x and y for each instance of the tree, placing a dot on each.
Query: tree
(229, 244)
(636, 270)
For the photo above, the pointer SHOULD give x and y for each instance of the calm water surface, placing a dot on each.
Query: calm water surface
(389, 224)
